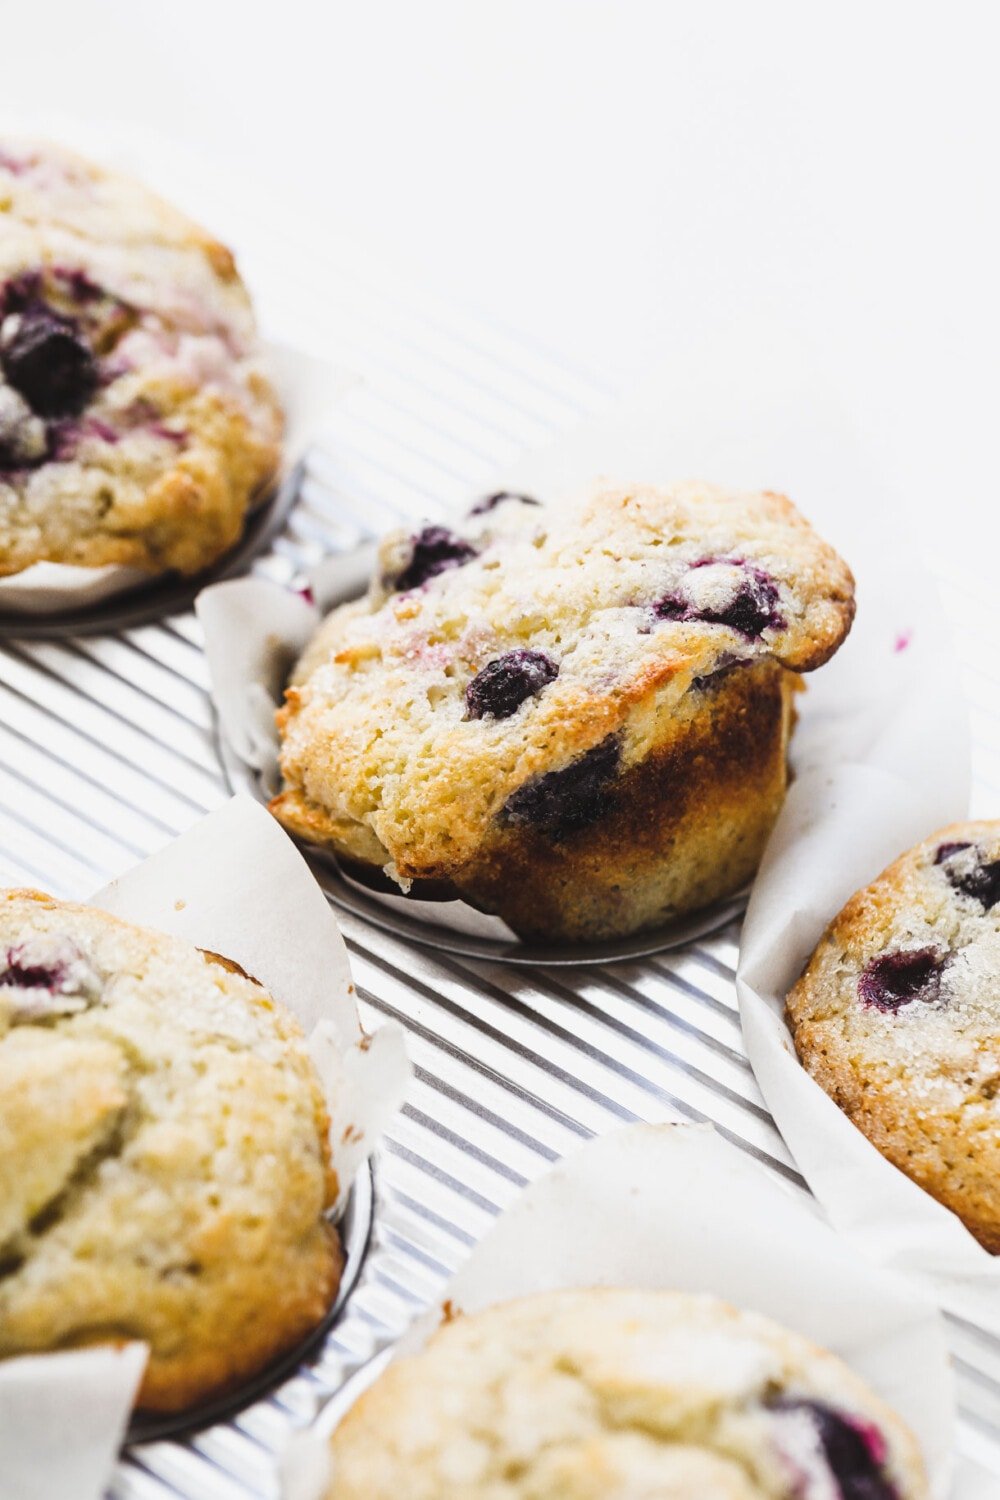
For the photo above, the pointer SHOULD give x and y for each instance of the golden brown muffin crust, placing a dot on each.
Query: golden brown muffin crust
(897, 1017)
(164, 1154)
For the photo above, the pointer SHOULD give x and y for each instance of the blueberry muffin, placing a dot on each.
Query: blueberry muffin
(164, 1155)
(622, 1395)
(897, 1017)
(577, 716)
(137, 425)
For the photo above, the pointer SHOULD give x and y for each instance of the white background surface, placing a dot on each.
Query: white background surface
(622, 184)
(618, 184)
(610, 179)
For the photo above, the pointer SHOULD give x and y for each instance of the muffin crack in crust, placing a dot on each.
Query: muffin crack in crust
(620, 1395)
(137, 423)
(897, 1017)
(164, 1154)
(654, 633)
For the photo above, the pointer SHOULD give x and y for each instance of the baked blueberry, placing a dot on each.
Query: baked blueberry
(747, 603)
(561, 802)
(503, 685)
(435, 550)
(46, 360)
(20, 972)
(49, 977)
(855, 1451)
(894, 979)
(975, 877)
(945, 851)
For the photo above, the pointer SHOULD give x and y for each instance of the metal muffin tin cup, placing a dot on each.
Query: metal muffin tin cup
(355, 1227)
(405, 915)
(350, 894)
(154, 599)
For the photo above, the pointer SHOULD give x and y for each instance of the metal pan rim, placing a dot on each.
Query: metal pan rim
(355, 1226)
(351, 897)
(143, 604)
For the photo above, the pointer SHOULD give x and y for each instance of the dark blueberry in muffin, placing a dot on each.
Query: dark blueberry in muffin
(945, 851)
(562, 802)
(853, 1449)
(46, 360)
(435, 550)
(673, 607)
(980, 880)
(490, 502)
(19, 975)
(752, 609)
(503, 685)
(21, 291)
(895, 979)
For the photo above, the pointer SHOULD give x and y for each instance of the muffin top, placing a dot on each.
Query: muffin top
(164, 1161)
(136, 421)
(529, 640)
(622, 1395)
(898, 1017)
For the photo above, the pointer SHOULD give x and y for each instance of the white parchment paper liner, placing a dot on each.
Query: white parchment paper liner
(308, 387)
(676, 1207)
(881, 750)
(234, 884)
(838, 829)
(881, 753)
(772, 425)
(254, 631)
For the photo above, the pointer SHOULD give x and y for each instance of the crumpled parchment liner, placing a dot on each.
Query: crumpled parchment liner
(706, 415)
(837, 831)
(881, 750)
(234, 884)
(254, 632)
(676, 1207)
(62, 1417)
(308, 388)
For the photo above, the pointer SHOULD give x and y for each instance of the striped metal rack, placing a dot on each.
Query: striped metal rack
(107, 749)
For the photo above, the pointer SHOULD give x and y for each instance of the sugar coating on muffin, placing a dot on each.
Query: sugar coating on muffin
(897, 1017)
(137, 423)
(622, 1395)
(504, 677)
(164, 1154)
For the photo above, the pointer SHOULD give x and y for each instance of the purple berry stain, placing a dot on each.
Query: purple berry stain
(19, 975)
(945, 851)
(752, 609)
(562, 802)
(979, 880)
(77, 284)
(895, 979)
(490, 502)
(47, 361)
(20, 292)
(854, 1450)
(435, 550)
(504, 684)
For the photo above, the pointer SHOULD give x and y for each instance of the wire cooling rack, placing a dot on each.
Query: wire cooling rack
(107, 750)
